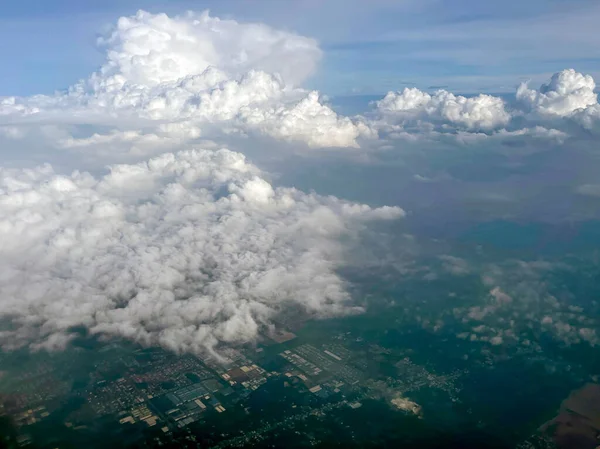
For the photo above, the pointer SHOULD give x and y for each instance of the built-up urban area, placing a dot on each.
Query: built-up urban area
(151, 396)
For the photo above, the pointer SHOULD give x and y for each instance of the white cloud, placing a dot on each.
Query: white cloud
(566, 106)
(529, 306)
(191, 248)
(168, 80)
(589, 118)
(566, 92)
(185, 250)
(199, 70)
(311, 122)
(150, 49)
(483, 112)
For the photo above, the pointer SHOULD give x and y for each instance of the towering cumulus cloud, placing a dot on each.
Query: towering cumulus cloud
(197, 70)
(149, 49)
(185, 250)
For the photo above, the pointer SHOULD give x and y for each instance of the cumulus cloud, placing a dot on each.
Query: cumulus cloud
(563, 107)
(167, 81)
(483, 112)
(197, 70)
(192, 248)
(311, 122)
(531, 306)
(526, 305)
(566, 92)
(151, 49)
(185, 250)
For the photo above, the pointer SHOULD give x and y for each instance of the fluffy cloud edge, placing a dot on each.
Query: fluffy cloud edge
(189, 251)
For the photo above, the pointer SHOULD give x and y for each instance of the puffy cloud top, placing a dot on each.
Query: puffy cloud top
(556, 110)
(172, 79)
(483, 112)
(150, 49)
(567, 92)
(184, 250)
(201, 70)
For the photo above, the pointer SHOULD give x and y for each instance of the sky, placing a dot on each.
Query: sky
(183, 178)
(465, 46)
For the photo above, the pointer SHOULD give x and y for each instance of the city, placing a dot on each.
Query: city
(154, 396)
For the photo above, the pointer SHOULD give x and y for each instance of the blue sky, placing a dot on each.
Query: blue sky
(370, 47)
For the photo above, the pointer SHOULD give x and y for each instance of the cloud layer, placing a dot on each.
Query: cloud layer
(185, 250)
(169, 81)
